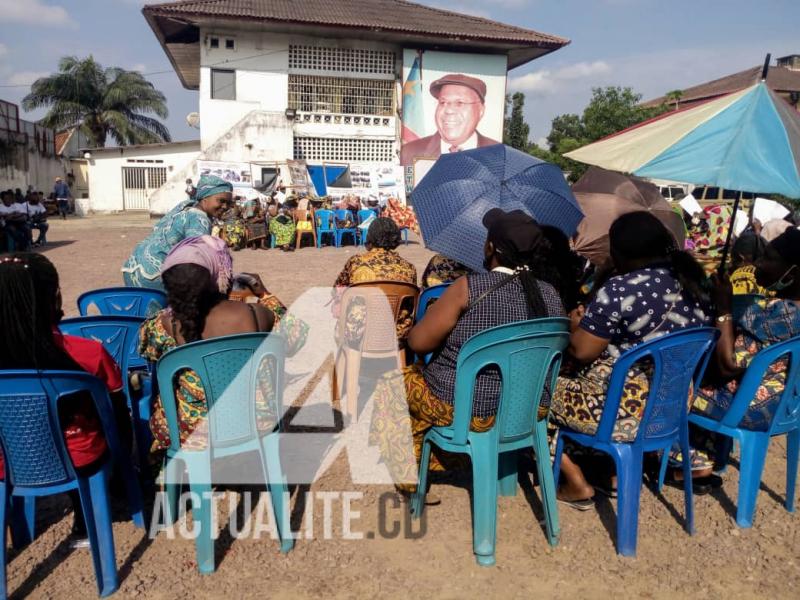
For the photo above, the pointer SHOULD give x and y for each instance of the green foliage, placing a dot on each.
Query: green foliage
(100, 102)
(517, 130)
(610, 110)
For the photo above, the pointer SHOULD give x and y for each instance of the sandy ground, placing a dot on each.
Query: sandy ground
(719, 561)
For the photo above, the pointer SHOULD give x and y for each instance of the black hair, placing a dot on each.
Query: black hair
(191, 294)
(640, 237)
(531, 267)
(29, 311)
(383, 233)
(748, 248)
(563, 267)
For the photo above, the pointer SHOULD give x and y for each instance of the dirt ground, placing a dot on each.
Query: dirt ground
(719, 561)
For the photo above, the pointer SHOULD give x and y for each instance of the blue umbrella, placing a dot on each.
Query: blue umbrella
(461, 187)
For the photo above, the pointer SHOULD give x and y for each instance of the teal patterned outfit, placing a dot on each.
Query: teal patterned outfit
(142, 269)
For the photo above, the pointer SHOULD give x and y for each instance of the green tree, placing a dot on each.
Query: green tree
(674, 96)
(100, 102)
(610, 110)
(518, 130)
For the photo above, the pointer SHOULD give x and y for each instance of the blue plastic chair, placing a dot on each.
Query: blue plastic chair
(754, 444)
(227, 368)
(120, 337)
(528, 359)
(404, 232)
(343, 214)
(326, 225)
(427, 295)
(122, 301)
(37, 463)
(679, 360)
(363, 215)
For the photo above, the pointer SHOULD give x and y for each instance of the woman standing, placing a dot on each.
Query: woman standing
(190, 218)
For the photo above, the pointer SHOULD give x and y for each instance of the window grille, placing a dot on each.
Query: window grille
(343, 149)
(348, 60)
(313, 93)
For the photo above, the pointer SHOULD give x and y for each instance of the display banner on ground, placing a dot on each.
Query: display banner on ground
(238, 174)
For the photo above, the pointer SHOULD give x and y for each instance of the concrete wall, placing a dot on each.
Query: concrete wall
(41, 174)
(105, 169)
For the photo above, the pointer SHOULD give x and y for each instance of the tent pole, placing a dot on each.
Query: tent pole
(726, 248)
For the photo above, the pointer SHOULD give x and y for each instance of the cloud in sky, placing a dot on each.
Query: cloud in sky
(35, 12)
(3, 50)
(25, 78)
(551, 81)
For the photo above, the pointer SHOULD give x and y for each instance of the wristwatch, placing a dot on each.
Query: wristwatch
(724, 318)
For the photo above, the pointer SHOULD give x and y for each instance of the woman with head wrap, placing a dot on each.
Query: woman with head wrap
(747, 250)
(418, 398)
(197, 276)
(189, 219)
(762, 324)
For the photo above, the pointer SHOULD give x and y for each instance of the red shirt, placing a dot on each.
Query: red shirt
(82, 431)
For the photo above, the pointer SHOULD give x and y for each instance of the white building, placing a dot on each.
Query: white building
(125, 177)
(317, 80)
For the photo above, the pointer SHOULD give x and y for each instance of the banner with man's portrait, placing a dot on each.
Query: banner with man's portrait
(451, 102)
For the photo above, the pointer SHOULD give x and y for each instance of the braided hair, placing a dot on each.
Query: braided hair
(29, 311)
(191, 294)
(530, 266)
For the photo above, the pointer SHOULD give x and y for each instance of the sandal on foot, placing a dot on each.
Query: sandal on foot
(581, 505)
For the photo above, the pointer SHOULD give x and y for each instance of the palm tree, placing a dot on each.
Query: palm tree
(674, 96)
(100, 102)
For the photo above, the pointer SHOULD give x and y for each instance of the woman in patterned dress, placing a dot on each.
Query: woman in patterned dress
(762, 324)
(190, 218)
(380, 262)
(409, 402)
(197, 278)
(657, 290)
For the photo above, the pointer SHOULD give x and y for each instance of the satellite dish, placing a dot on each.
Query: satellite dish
(193, 119)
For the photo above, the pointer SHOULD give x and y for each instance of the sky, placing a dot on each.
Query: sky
(652, 46)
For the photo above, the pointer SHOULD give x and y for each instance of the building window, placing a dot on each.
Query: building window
(230, 44)
(348, 60)
(213, 42)
(343, 149)
(313, 93)
(223, 84)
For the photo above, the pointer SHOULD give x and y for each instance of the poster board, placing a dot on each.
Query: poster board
(451, 102)
(238, 174)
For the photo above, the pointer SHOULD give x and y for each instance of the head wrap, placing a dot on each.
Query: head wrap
(514, 232)
(206, 251)
(210, 185)
(787, 245)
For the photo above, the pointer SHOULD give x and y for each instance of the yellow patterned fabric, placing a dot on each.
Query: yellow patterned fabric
(405, 409)
(743, 281)
(154, 342)
(377, 264)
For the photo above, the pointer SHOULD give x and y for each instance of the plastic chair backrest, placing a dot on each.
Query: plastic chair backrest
(384, 301)
(125, 301)
(324, 220)
(742, 301)
(30, 430)
(679, 360)
(528, 359)
(343, 213)
(787, 413)
(425, 296)
(119, 336)
(228, 369)
(364, 214)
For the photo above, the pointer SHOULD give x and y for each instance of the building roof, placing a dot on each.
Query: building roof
(780, 79)
(62, 138)
(155, 146)
(394, 21)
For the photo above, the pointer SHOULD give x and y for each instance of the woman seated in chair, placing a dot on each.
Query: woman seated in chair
(380, 262)
(282, 226)
(30, 309)
(745, 253)
(197, 275)
(762, 324)
(510, 291)
(657, 289)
